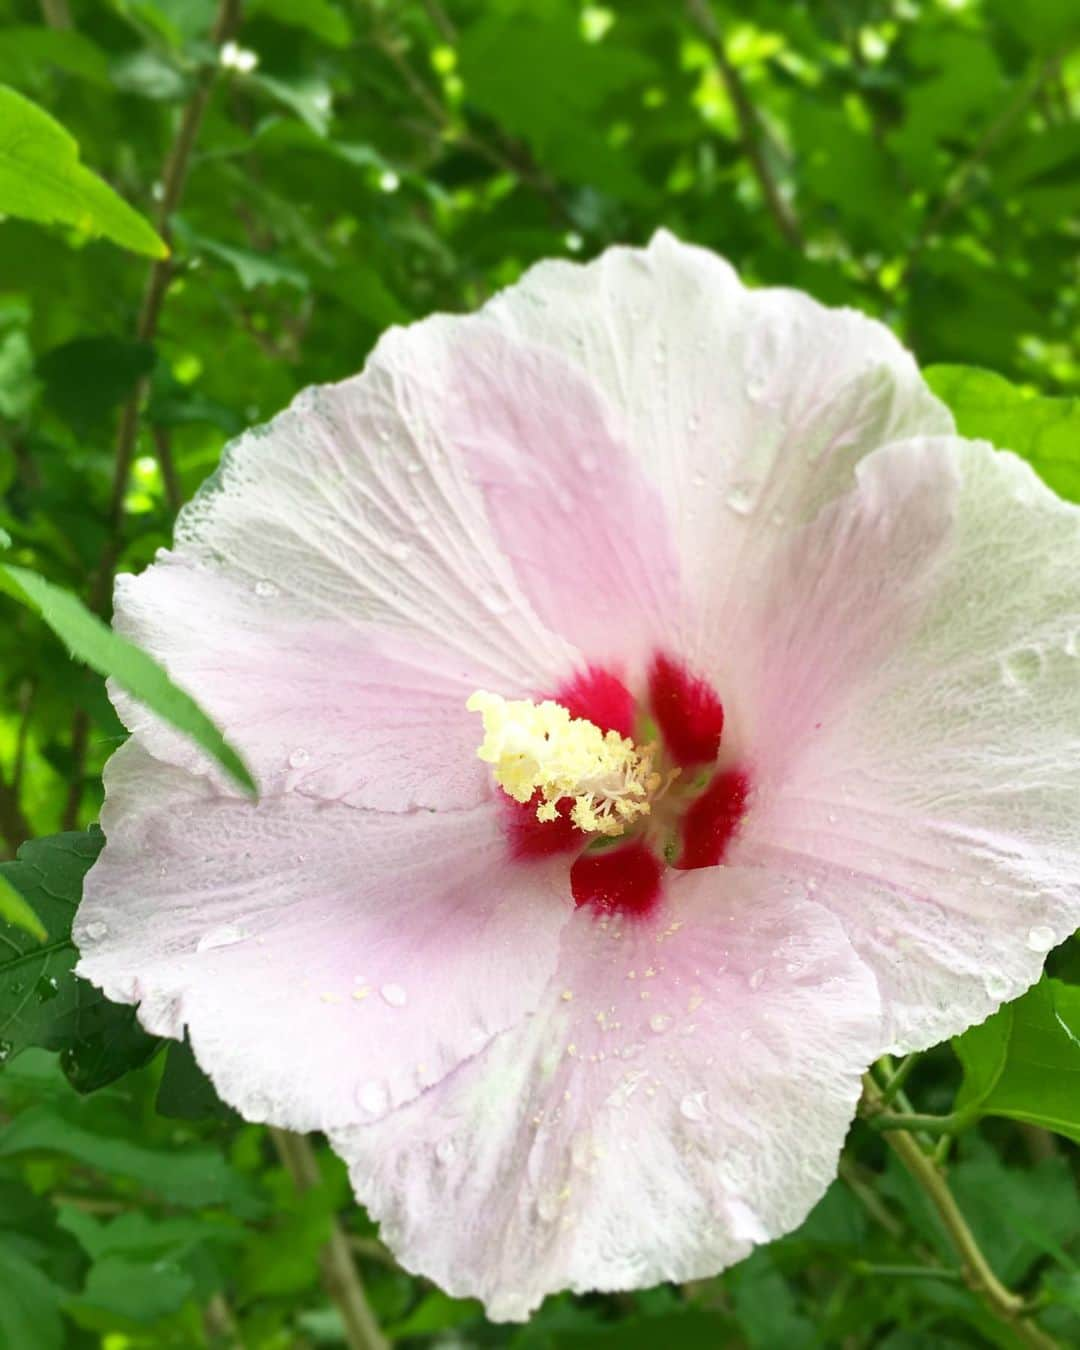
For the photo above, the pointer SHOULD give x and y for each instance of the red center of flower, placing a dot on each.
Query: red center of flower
(692, 827)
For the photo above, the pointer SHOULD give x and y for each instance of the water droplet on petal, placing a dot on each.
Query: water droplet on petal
(96, 930)
(372, 1097)
(659, 1022)
(257, 1107)
(757, 979)
(695, 1106)
(299, 758)
(414, 467)
(1040, 938)
(265, 590)
(400, 551)
(445, 1151)
(224, 936)
(996, 985)
(740, 498)
(394, 995)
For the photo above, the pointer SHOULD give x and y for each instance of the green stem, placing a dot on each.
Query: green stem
(899, 1077)
(977, 1272)
(341, 1279)
(953, 1123)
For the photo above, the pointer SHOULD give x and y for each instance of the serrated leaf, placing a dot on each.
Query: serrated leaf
(1044, 431)
(93, 642)
(1024, 1062)
(42, 179)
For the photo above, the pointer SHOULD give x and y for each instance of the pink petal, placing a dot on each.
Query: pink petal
(650, 1122)
(746, 409)
(932, 619)
(329, 963)
(321, 708)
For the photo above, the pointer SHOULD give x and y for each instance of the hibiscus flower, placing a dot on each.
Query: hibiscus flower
(773, 683)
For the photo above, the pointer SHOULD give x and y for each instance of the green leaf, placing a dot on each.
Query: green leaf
(1044, 431)
(15, 909)
(30, 1302)
(185, 1092)
(41, 1001)
(320, 17)
(1024, 1062)
(91, 641)
(23, 48)
(41, 179)
(187, 1178)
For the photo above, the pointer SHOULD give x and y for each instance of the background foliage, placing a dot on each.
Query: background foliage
(323, 169)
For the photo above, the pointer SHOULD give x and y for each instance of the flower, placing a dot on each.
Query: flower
(773, 679)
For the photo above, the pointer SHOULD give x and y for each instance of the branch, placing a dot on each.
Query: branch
(340, 1276)
(174, 179)
(750, 131)
(978, 1275)
(956, 190)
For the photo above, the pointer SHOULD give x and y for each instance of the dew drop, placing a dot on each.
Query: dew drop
(997, 986)
(299, 758)
(659, 1022)
(757, 979)
(400, 551)
(740, 498)
(755, 387)
(224, 936)
(394, 995)
(265, 590)
(695, 1106)
(494, 603)
(445, 1151)
(372, 1097)
(693, 423)
(96, 930)
(414, 467)
(1040, 938)
(1022, 667)
(547, 1206)
(6, 1048)
(257, 1107)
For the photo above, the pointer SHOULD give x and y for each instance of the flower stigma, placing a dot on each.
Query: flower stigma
(539, 748)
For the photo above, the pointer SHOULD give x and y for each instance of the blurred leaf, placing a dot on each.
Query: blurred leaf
(320, 17)
(29, 1302)
(560, 115)
(140, 1292)
(87, 378)
(90, 640)
(1044, 431)
(16, 910)
(41, 179)
(24, 49)
(187, 1178)
(1024, 1062)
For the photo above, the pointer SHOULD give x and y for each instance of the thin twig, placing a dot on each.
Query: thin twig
(340, 1276)
(169, 477)
(174, 179)
(750, 132)
(956, 189)
(978, 1274)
